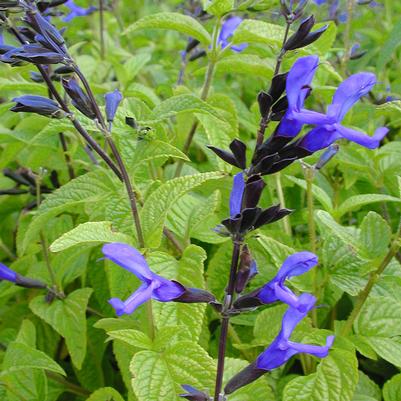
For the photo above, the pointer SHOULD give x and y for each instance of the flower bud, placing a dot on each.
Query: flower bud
(193, 394)
(78, 98)
(247, 270)
(246, 376)
(37, 104)
(113, 100)
(327, 155)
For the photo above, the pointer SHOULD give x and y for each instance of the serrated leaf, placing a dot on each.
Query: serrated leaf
(87, 188)
(68, 318)
(133, 337)
(392, 389)
(247, 64)
(188, 271)
(218, 7)
(159, 376)
(357, 201)
(30, 358)
(173, 21)
(21, 85)
(157, 205)
(181, 104)
(375, 235)
(105, 394)
(255, 31)
(335, 380)
(91, 233)
(366, 389)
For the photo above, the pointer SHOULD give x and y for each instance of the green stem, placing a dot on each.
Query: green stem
(101, 29)
(7, 251)
(347, 33)
(374, 277)
(280, 194)
(70, 387)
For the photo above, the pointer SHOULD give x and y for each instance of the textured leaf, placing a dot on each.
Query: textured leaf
(91, 233)
(90, 187)
(255, 31)
(335, 380)
(388, 49)
(174, 21)
(375, 235)
(218, 7)
(156, 207)
(68, 318)
(105, 394)
(392, 389)
(133, 337)
(245, 64)
(159, 376)
(357, 201)
(366, 389)
(30, 358)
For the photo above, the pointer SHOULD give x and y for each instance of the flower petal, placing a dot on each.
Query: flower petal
(296, 264)
(166, 290)
(7, 274)
(140, 296)
(237, 193)
(370, 142)
(351, 90)
(129, 258)
(316, 350)
(319, 138)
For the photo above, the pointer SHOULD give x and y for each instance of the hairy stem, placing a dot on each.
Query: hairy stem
(374, 277)
(226, 320)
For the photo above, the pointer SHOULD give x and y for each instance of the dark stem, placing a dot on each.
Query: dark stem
(70, 387)
(67, 157)
(226, 319)
(283, 51)
(101, 28)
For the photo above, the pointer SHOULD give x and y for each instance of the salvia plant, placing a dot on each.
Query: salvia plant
(208, 212)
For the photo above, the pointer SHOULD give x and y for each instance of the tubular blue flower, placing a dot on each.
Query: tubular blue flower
(77, 11)
(7, 274)
(237, 193)
(298, 87)
(329, 127)
(154, 286)
(276, 290)
(320, 2)
(227, 31)
(113, 100)
(282, 348)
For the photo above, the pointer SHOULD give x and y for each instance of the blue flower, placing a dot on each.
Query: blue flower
(113, 100)
(298, 88)
(236, 195)
(282, 349)
(77, 11)
(329, 128)
(153, 287)
(276, 290)
(227, 31)
(7, 274)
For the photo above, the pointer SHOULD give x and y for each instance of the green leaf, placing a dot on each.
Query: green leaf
(133, 337)
(68, 318)
(357, 201)
(158, 204)
(375, 235)
(247, 64)
(218, 7)
(256, 31)
(173, 21)
(392, 389)
(87, 188)
(12, 85)
(389, 47)
(181, 104)
(318, 192)
(366, 389)
(105, 394)
(91, 233)
(29, 358)
(335, 380)
(188, 271)
(158, 376)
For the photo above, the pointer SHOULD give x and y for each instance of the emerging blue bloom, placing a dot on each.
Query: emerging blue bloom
(282, 349)
(237, 193)
(320, 2)
(298, 87)
(153, 287)
(329, 127)
(276, 290)
(77, 11)
(7, 274)
(113, 100)
(227, 31)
